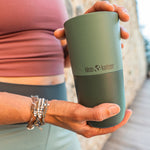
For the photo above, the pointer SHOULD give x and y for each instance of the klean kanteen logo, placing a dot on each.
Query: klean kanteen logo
(97, 68)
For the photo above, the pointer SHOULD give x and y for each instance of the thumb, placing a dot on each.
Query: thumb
(60, 34)
(100, 112)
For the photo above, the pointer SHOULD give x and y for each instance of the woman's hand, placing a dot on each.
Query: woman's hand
(98, 6)
(74, 117)
(122, 13)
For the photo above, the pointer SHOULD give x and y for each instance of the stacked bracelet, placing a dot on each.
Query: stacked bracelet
(38, 111)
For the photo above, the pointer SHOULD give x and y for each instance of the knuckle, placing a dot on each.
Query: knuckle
(123, 9)
(76, 113)
(75, 116)
(98, 116)
(96, 4)
(87, 135)
(115, 6)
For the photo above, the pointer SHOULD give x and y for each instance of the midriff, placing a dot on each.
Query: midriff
(40, 80)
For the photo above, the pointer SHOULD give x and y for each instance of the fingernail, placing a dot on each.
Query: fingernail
(107, 2)
(130, 111)
(125, 10)
(59, 29)
(114, 110)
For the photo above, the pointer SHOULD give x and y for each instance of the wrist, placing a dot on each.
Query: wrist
(50, 111)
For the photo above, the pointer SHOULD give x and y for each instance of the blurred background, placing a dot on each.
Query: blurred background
(136, 64)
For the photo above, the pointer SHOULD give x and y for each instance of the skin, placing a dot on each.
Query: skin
(75, 116)
(78, 124)
(98, 6)
(68, 115)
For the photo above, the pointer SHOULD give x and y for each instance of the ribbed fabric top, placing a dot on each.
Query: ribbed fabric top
(27, 44)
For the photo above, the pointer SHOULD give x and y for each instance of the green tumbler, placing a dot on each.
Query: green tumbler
(96, 59)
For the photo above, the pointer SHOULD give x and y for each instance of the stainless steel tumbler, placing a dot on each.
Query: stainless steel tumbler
(95, 52)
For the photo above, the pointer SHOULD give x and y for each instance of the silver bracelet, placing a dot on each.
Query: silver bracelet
(38, 111)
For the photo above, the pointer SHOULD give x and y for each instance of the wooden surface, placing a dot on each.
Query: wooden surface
(135, 135)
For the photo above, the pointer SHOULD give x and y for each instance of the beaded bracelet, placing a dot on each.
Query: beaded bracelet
(38, 111)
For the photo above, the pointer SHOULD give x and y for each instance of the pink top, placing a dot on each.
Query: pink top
(27, 44)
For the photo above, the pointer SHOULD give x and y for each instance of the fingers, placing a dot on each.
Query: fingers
(98, 113)
(122, 12)
(99, 131)
(100, 6)
(124, 33)
(60, 34)
(71, 116)
(106, 6)
(63, 42)
(122, 45)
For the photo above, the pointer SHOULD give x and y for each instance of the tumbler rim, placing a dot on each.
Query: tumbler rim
(88, 14)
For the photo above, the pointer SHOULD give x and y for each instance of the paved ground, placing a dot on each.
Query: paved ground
(136, 134)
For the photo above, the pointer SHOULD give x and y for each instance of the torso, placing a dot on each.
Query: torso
(29, 52)
(45, 80)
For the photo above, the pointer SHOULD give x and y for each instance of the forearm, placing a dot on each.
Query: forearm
(14, 108)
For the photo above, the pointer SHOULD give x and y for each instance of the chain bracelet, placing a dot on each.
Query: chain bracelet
(38, 111)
